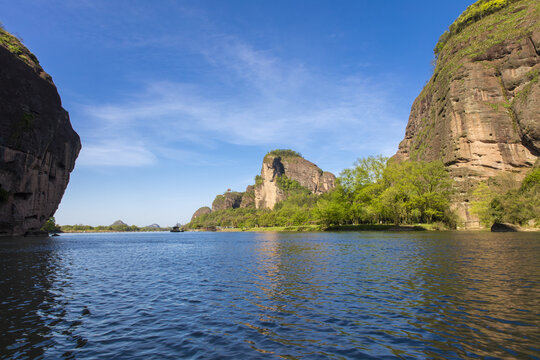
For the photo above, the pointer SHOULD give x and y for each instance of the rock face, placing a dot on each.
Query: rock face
(248, 197)
(290, 169)
(38, 146)
(201, 211)
(480, 112)
(229, 200)
(308, 175)
(501, 227)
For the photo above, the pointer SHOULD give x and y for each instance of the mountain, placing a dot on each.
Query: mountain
(38, 146)
(286, 169)
(283, 173)
(201, 211)
(119, 222)
(480, 111)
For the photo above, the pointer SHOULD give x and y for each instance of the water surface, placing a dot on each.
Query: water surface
(271, 295)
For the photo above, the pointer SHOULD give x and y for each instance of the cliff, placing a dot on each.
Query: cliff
(38, 146)
(229, 200)
(480, 112)
(282, 171)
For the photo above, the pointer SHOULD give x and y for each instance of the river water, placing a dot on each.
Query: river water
(271, 295)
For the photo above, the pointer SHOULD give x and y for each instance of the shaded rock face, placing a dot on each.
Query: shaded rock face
(38, 146)
(201, 211)
(480, 112)
(229, 200)
(501, 227)
(307, 174)
(248, 197)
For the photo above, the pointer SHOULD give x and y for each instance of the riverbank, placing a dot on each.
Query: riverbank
(321, 228)
(350, 228)
(109, 231)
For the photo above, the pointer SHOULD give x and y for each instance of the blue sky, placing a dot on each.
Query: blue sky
(177, 101)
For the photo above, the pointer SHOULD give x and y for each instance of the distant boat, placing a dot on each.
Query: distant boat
(177, 229)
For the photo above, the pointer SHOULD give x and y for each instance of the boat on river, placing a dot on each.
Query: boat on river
(177, 229)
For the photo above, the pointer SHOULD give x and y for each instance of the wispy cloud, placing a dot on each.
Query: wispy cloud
(268, 101)
(115, 154)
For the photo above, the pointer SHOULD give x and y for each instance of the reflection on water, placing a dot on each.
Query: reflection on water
(35, 287)
(275, 295)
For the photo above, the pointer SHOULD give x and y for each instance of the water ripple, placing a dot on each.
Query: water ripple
(288, 296)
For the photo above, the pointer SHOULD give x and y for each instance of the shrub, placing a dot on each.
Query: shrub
(472, 14)
(284, 153)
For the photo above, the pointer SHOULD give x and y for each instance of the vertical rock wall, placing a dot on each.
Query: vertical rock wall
(307, 174)
(480, 112)
(38, 146)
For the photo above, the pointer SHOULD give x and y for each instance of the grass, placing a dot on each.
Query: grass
(523, 95)
(472, 14)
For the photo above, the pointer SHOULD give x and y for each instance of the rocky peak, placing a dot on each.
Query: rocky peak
(119, 223)
(280, 164)
(38, 146)
(282, 171)
(480, 112)
(201, 211)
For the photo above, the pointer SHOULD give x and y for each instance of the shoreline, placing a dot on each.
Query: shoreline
(316, 228)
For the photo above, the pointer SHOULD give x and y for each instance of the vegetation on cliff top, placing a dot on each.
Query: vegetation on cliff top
(482, 26)
(16, 47)
(284, 153)
(472, 14)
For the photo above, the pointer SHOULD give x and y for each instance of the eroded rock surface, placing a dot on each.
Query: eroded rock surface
(248, 197)
(38, 146)
(268, 192)
(480, 112)
(229, 200)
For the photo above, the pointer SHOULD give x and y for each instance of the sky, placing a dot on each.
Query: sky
(178, 101)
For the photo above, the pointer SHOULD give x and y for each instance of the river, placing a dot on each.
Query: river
(271, 295)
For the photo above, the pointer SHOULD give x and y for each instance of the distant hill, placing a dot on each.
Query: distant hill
(118, 222)
(154, 226)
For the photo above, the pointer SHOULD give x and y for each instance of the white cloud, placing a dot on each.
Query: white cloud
(274, 103)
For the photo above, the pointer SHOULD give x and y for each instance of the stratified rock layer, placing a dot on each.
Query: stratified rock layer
(38, 146)
(480, 112)
(307, 174)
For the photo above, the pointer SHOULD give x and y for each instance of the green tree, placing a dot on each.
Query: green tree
(51, 226)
